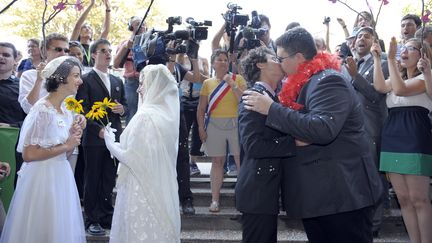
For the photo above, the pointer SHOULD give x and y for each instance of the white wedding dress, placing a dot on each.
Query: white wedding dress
(45, 207)
(147, 203)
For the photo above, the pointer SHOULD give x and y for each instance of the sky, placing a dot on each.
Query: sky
(309, 13)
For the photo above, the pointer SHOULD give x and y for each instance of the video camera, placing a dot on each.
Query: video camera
(253, 32)
(151, 47)
(233, 19)
(198, 30)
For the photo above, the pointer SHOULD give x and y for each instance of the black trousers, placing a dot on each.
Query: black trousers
(353, 226)
(99, 181)
(259, 228)
(183, 172)
(191, 123)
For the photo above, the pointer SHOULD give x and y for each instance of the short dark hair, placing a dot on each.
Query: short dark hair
(61, 73)
(11, 46)
(298, 40)
(217, 53)
(51, 37)
(264, 19)
(292, 25)
(93, 48)
(414, 17)
(249, 63)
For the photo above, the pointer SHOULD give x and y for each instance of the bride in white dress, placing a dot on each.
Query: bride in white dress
(147, 204)
(45, 207)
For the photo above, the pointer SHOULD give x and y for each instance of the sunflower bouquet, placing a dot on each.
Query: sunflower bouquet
(99, 111)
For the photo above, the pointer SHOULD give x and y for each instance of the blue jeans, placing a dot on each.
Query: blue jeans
(131, 86)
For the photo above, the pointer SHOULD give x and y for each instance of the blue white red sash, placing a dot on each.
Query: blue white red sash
(215, 97)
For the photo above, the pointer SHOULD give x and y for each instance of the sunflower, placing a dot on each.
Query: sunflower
(73, 105)
(96, 113)
(105, 104)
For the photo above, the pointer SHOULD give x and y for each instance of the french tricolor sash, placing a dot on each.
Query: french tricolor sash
(215, 97)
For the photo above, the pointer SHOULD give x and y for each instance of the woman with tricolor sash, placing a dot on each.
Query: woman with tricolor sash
(217, 119)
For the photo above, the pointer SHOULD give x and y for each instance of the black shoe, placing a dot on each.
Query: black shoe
(375, 233)
(95, 229)
(187, 207)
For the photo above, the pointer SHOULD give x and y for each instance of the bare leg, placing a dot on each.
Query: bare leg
(216, 177)
(409, 214)
(418, 188)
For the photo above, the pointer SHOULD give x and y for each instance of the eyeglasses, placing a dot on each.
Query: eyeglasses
(105, 51)
(409, 48)
(59, 49)
(281, 59)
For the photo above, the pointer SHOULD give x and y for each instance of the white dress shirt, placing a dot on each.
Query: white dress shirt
(105, 79)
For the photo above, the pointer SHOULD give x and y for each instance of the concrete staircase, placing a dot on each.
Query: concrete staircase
(224, 226)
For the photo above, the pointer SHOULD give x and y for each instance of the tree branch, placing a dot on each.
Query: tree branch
(8, 6)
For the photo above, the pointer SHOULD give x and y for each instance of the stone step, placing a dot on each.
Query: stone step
(203, 181)
(202, 197)
(228, 219)
(284, 236)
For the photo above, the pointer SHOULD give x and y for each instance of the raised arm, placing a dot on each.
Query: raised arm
(379, 82)
(215, 44)
(400, 87)
(424, 66)
(344, 27)
(77, 29)
(107, 20)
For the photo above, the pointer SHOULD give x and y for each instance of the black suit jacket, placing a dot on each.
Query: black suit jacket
(336, 172)
(92, 90)
(373, 103)
(259, 181)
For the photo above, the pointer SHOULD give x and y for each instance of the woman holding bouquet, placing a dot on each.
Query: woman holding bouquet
(147, 203)
(45, 207)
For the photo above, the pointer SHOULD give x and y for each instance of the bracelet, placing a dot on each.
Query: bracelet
(344, 27)
(108, 10)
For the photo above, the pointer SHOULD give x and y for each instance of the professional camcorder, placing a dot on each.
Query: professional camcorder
(151, 47)
(233, 19)
(198, 30)
(253, 32)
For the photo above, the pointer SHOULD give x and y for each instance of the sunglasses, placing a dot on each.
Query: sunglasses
(59, 49)
(5, 54)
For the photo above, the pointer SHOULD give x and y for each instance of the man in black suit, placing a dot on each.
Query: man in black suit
(332, 183)
(100, 169)
(259, 182)
(360, 72)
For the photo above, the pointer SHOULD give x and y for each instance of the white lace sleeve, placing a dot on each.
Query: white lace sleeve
(39, 128)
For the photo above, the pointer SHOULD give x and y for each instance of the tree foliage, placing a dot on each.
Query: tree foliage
(417, 9)
(25, 17)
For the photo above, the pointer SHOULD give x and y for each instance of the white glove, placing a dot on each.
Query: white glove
(112, 146)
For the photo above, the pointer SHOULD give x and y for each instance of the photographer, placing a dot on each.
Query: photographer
(180, 73)
(131, 75)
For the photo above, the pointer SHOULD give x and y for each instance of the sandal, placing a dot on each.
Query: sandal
(214, 207)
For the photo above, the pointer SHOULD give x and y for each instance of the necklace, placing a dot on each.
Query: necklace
(295, 82)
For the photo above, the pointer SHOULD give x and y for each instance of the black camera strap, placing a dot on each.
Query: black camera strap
(123, 60)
